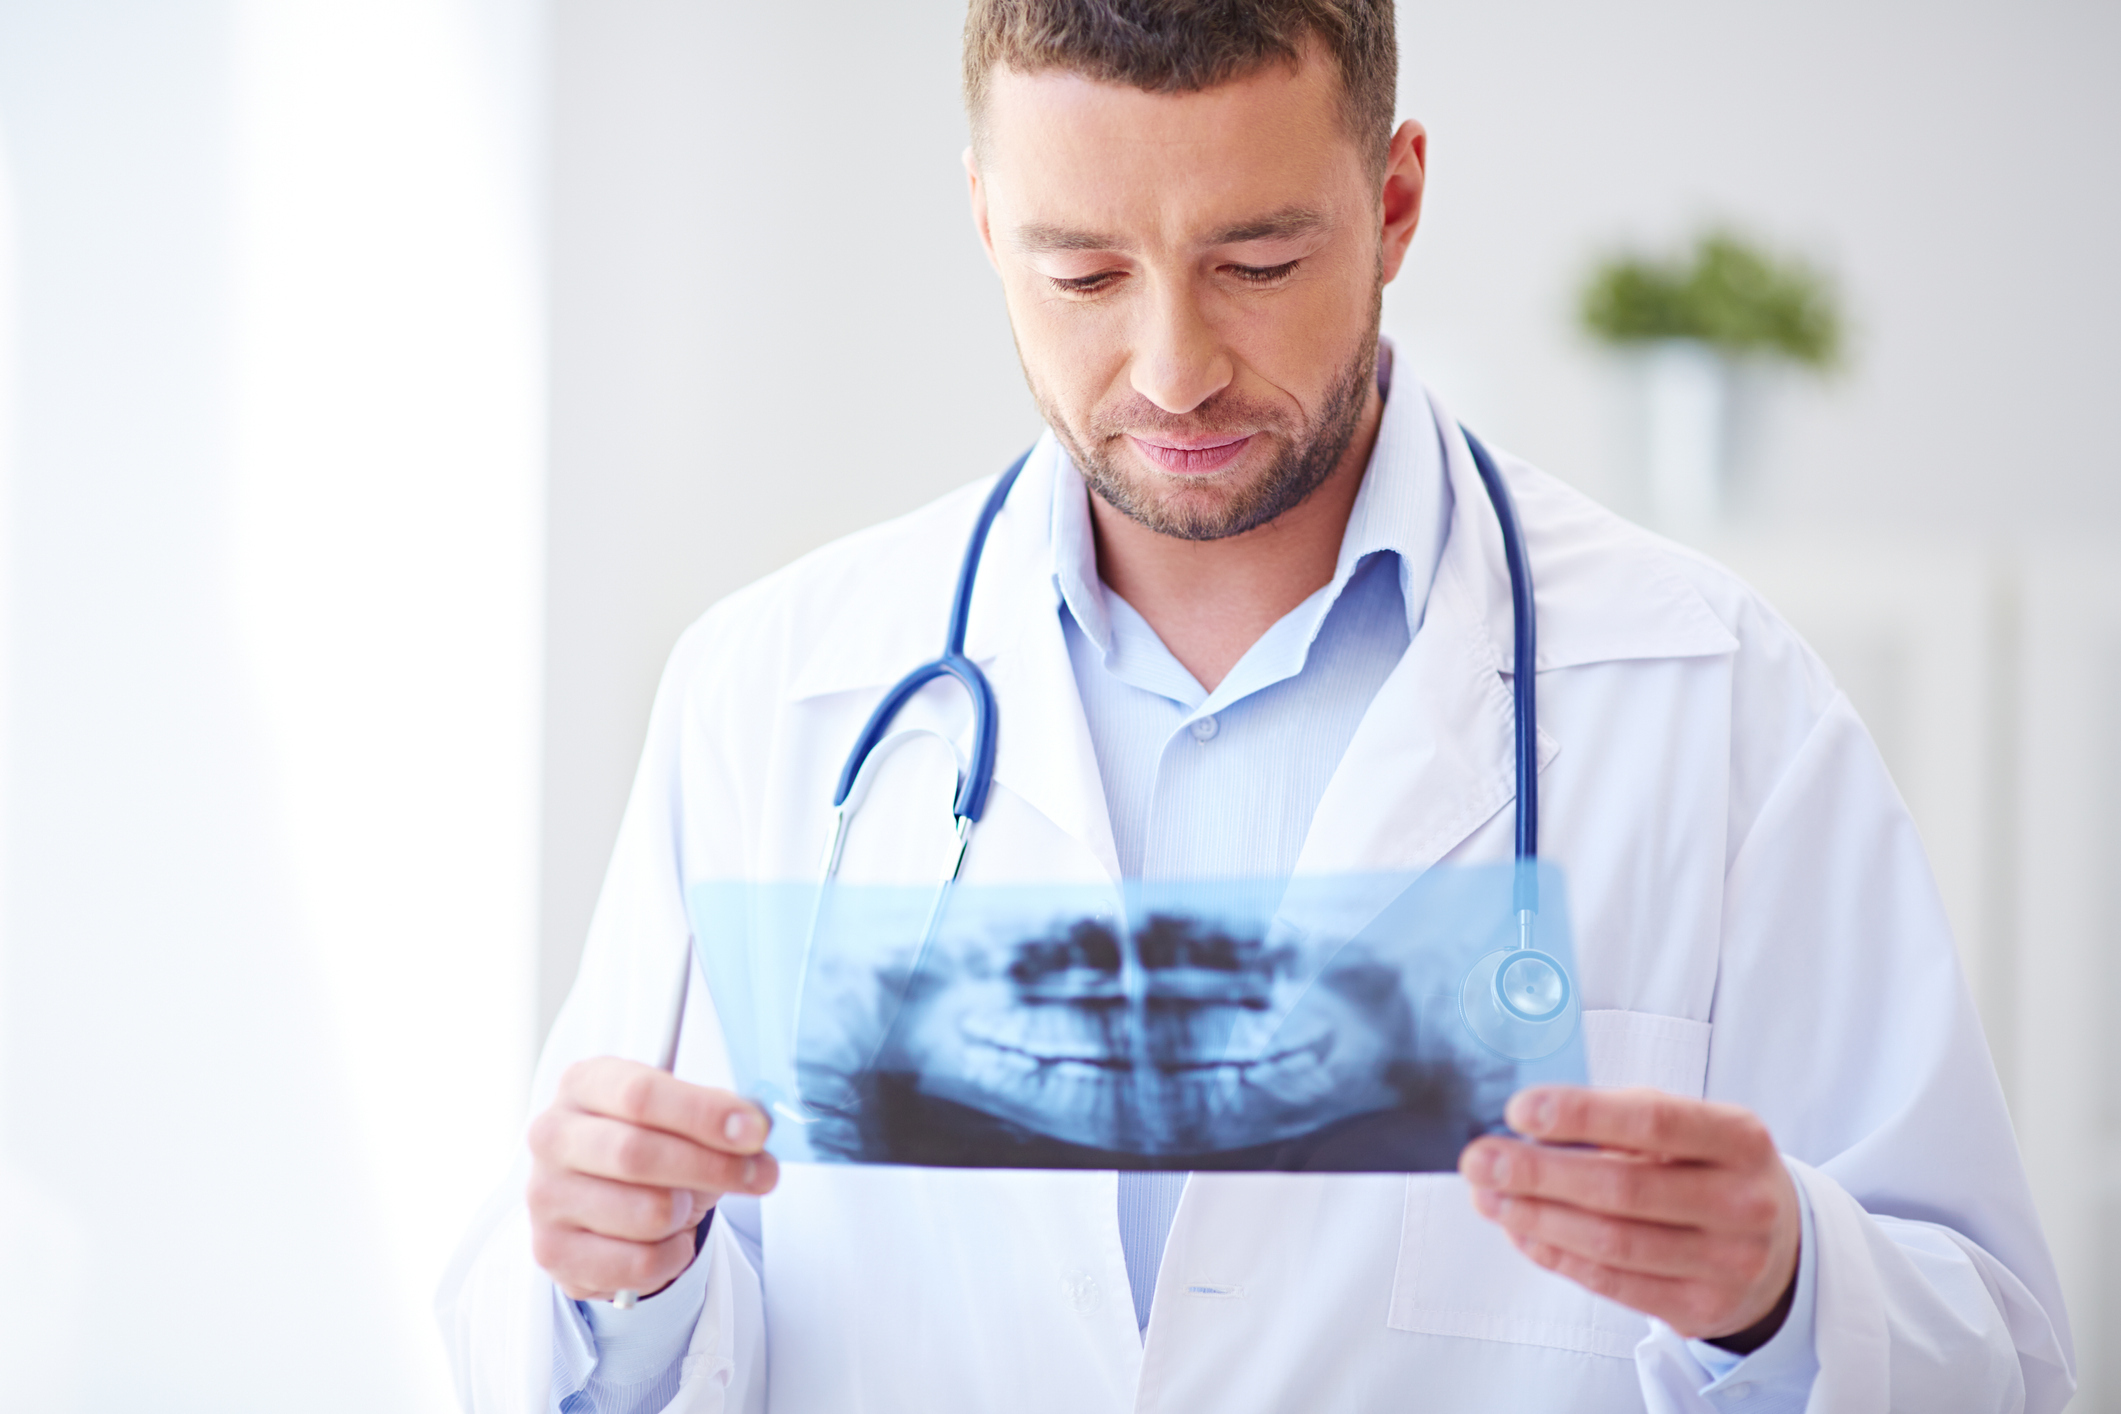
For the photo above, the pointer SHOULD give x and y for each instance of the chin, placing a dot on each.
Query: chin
(1187, 506)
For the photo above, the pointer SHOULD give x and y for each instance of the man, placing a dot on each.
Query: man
(1246, 613)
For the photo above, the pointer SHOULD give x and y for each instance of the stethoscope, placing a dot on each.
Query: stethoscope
(1517, 999)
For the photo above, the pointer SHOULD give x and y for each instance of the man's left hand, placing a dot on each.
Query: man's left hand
(1679, 1208)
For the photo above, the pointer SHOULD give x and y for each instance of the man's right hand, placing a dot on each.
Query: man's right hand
(625, 1165)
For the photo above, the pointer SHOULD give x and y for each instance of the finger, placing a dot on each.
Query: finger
(1628, 1244)
(1620, 1185)
(610, 1148)
(1689, 1307)
(613, 1209)
(1641, 1121)
(655, 1099)
(589, 1266)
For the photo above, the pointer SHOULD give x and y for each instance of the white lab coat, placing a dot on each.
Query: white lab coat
(1754, 922)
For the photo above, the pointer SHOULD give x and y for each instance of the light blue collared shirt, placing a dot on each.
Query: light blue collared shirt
(1201, 783)
(1224, 783)
(608, 1361)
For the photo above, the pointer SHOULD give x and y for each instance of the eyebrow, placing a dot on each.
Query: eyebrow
(1289, 221)
(1038, 237)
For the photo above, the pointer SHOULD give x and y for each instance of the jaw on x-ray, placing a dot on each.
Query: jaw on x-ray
(1317, 1024)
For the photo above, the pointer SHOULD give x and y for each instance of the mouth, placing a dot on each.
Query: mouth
(1192, 456)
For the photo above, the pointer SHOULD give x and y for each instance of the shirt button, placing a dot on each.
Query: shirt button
(1205, 729)
(1082, 1291)
(1741, 1390)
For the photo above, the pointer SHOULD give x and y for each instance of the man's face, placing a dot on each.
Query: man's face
(1194, 281)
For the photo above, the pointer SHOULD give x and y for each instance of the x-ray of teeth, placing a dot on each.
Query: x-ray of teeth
(1315, 1024)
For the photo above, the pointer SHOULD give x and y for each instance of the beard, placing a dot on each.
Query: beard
(1305, 453)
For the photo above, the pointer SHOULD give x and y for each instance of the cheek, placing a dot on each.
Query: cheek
(1074, 356)
(1305, 329)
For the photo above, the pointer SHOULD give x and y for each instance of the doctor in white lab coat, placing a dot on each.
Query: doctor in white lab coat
(1759, 939)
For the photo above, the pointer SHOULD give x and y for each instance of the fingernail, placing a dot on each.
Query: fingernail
(742, 1127)
(1487, 1202)
(1531, 1113)
(681, 1207)
(751, 1173)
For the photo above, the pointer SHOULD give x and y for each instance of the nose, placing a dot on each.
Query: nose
(1179, 362)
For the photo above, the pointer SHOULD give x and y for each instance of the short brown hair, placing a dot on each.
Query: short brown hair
(1184, 46)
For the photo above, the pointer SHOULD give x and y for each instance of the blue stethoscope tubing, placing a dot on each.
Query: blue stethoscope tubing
(978, 777)
(1517, 1000)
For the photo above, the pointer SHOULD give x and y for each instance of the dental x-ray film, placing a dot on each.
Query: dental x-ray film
(1354, 1023)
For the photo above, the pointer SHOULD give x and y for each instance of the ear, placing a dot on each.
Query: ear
(1406, 176)
(976, 192)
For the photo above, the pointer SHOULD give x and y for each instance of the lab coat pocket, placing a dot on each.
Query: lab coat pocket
(1458, 1275)
(1668, 1053)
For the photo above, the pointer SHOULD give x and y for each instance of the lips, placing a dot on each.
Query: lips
(1192, 456)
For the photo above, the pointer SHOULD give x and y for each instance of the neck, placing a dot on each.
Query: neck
(1211, 600)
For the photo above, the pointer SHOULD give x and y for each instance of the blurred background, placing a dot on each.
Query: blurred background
(385, 383)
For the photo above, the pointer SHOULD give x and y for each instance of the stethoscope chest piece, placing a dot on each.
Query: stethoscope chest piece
(1518, 1002)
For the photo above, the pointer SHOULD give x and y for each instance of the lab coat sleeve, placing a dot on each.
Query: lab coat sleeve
(1775, 1379)
(495, 1305)
(1840, 1016)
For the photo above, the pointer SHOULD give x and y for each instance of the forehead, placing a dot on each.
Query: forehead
(1061, 150)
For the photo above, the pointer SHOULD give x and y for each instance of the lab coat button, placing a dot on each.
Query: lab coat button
(1082, 1291)
(1742, 1390)
(1205, 729)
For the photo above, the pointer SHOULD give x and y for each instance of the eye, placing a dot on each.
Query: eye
(1263, 274)
(1083, 284)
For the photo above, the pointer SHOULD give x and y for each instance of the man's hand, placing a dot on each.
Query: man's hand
(1681, 1209)
(623, 1167)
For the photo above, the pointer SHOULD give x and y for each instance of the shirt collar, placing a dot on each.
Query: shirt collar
(1402, 507)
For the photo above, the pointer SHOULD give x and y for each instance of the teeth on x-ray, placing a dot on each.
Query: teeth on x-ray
(1183, 1043)
(1326, 1022)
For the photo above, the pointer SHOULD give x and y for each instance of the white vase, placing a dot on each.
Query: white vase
(1687, 394)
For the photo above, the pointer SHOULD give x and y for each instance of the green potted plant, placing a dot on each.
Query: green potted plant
(1690, 323)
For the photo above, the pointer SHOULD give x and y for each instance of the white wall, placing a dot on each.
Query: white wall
(272, 572)
(1946, 159)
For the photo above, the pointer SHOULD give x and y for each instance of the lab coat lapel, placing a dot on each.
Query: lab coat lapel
(1046, 817)
(1043, 755)
(1430, 761)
